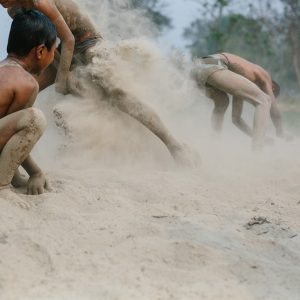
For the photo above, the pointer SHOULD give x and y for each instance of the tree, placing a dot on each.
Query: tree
(231, 33)
(263, 32)
(153, 10)
(291, 25)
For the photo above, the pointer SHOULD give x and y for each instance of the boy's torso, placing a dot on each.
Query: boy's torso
(13, 79)
(77, 20)
(245, 68)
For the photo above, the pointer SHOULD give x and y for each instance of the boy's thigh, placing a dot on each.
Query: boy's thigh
(234, 84)
(11, 124)
(218, 96)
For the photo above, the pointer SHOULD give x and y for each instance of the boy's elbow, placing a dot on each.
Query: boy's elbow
(70, 41)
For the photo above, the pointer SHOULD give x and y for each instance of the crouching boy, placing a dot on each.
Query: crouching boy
(31, 47)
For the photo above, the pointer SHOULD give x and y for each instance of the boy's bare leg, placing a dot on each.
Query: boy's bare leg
(19, 180)
(19, 133)
(221, 101)
(240, 87)
(237, 120)
(145, 115)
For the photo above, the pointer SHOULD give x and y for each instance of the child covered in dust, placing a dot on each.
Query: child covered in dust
(224, 73)
(256, 74)
(31, 48)
(79, 37)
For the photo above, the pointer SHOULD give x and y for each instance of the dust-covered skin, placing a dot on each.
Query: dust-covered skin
(261, 78)
(221, 76)
(20, 126)
(73, 26)
(226, 81)
(67, 13)
(58, 12)
(99, 77)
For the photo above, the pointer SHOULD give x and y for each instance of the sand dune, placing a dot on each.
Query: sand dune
(123, 222)
(142, 229)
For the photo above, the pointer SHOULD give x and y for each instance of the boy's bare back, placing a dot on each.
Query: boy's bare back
(247, 69)
(79, 23)
(15, 97)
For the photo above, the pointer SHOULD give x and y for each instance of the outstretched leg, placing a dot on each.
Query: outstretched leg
(146, 116)
(221, 101)
(238, 86)
(19, 133)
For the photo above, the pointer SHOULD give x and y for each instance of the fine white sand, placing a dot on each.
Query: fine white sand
(122, 222)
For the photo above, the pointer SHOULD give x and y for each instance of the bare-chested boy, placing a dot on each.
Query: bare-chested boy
(226, 73)
(258, 76)
(31, 48)
(78, 36)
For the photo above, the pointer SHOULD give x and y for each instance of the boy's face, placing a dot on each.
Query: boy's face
(44, 58)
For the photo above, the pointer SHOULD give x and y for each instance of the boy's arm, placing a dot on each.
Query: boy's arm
(37, 182)
(64, 33)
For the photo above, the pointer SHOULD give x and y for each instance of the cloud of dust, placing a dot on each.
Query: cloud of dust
(129, 59)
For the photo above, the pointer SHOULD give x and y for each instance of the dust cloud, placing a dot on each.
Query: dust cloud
(121, 222)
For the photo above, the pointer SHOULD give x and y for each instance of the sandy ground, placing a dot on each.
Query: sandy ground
(143, 229)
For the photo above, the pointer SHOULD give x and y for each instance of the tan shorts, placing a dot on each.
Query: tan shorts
(205, 67)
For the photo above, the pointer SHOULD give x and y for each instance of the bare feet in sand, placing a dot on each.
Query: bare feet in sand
(19, 180)
(186, 157)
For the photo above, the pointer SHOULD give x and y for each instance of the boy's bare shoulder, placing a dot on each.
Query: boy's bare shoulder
(19, 80)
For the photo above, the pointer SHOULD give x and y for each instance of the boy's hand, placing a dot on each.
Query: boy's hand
(37, 184)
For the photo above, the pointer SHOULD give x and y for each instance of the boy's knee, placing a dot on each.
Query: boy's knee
(37, 119)
(265, 100)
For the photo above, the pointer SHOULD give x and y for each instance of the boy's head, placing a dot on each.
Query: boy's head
(275, 88)
(32, 35)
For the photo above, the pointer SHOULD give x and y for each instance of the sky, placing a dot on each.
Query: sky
(182, 12)
(4, 25)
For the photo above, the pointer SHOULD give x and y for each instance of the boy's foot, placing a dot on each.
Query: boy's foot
(19, 181)
(186, 157)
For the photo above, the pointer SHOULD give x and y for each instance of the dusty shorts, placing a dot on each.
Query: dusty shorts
(205, 67)
(80, 49)
(104, 72)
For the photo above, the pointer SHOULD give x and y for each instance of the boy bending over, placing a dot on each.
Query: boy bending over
(261, 78)
(79, 37)
(31, 48)
(222, 74)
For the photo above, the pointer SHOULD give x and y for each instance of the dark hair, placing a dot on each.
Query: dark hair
(275, 88)
(29, 29)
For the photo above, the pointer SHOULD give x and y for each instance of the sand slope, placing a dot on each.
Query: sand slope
(146, 230)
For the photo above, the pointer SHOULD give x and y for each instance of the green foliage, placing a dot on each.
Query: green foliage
(261, 37)
(231, 33)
